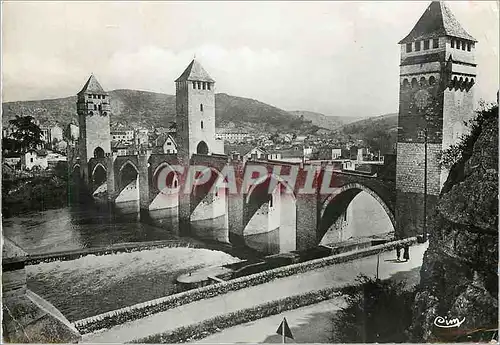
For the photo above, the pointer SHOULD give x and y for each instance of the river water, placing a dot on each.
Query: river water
(95, 284)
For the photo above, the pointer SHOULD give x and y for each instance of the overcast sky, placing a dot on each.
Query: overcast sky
(338, 58)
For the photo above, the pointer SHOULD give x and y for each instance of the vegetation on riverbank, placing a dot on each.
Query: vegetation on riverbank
(377, 311)
(35, 192)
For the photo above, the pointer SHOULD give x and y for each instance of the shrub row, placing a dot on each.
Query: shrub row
(141, 310)
(216, 324)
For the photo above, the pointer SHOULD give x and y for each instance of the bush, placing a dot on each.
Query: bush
(376, 311)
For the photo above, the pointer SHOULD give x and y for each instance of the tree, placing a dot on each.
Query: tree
(377, 311)
(27, 134)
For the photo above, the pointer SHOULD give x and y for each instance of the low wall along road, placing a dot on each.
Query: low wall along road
(142, 310)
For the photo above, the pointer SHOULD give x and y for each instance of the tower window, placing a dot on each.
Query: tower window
(208, 86)
(201, 124)
(204, 85)
(201, 107)
(408, 47)
(95, 106)
(417, 46)
(426, 44)
(103, 96)
(468, 47)
(194, 85)
(199, 85)
(463, 45)
(435, 43)
(453, 43)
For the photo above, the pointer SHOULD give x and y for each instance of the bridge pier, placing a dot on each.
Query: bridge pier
(307, 221)
(236, 205)
(144, 186)
(184, 197)
(110, 176)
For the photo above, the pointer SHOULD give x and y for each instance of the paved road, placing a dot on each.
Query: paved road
(311, 324)
(337, 275)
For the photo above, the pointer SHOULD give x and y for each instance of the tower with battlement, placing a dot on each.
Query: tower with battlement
(437, 77)
(195, 109)
(94, 111)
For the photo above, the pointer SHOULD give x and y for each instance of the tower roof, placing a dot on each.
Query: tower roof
(194, 71)
(92, 86)
(437, 20)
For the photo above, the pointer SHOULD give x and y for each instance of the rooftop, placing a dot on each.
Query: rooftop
(92, 86)
(437, 21)
(194, 71)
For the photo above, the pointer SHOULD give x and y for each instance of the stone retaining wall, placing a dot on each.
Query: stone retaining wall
(141, 310)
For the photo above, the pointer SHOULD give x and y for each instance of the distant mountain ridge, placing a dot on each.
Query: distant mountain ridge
(144, 108)
(134, 107)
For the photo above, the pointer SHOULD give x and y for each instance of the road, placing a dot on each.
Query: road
(310, 324)
(337, 275)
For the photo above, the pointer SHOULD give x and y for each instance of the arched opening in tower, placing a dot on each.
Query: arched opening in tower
(98, 152)
(270, 224)
(202, 148)
(209, 202)
(354, 215)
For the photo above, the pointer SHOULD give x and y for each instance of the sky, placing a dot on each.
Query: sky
(337, 58)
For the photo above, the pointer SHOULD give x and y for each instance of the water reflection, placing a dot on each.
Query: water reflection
(87, 226)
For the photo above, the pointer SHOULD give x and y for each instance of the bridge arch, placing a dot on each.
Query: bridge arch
(127, 190)
(270, 216)
(337, 203)
(99, 175)
(165, 187)
(209, 207)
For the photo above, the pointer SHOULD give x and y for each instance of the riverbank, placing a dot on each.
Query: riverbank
(47, 191)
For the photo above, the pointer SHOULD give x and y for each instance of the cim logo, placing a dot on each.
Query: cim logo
(444, 322)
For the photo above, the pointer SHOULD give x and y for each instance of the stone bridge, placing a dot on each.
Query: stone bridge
(269, 205)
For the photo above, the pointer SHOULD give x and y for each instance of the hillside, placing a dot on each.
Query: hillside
(379, 132)
(387, 122)
(324, 121)
(133, 107)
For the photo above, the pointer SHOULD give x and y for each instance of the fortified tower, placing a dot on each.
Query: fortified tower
(437, 75)
(195, 108)
(94, 111)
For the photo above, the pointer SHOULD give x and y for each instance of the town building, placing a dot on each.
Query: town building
(233, 135)
(165, 143)
(34, 158)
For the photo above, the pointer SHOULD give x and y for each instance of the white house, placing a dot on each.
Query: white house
(336, 153)
(56, 133)
(34, 158)
(169, 146)
(256, 153)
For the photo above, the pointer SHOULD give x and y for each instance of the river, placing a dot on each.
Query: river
(96, 284)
